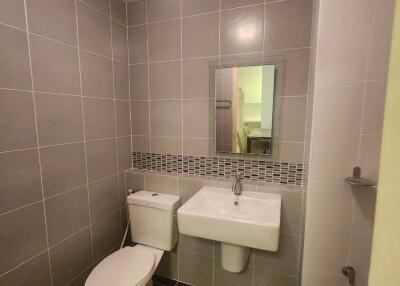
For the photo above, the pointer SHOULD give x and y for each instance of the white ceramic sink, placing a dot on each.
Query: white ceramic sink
(253, 222)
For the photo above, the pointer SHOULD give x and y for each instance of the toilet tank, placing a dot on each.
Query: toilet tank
(153, 219)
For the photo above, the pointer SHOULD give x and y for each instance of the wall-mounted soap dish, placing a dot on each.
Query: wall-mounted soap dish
(359, 181)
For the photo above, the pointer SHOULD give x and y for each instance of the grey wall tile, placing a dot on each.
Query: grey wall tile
(195, 269)
(193, 7)
(123, 118)
(198, 147)
(196, 245)
(293, 119)
(118, 11)
(70, 257)
(165, 80)
(166, 118)
(17, 120)
(24, 238)
(55, 66)
(165, 40)
(59, 118)
(134, 180)
(14, 59)
(96, 76)
(187, 187)
(106, 235)
(53, 19)
(139, 81)
(196, 78)
(63, 168)
(196, 118)
(168, 266)
(140, 118)
(19, 179)
(158, 10)
(161, 183)
(262, 277)
(227, 4)
(81, 279)
(104, 165)
(166, 145)
(119, 41)
(124, 153)
(223, 277)
(90, 20)
(137, 12)
(12, 12)
(121, 81)
(137, 40)
(104, 197)
(141, 144)
(66, 214)
(101, 5)
(99, 117)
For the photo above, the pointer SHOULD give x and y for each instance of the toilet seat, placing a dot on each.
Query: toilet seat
(129, 266)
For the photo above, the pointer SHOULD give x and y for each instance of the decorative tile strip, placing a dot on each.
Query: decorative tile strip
(273, 172)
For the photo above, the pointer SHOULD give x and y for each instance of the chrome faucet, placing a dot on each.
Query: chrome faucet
(236, 188)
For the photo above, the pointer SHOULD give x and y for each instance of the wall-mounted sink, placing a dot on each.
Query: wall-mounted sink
(251, 220)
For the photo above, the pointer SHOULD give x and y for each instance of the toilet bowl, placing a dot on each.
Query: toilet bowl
(153, 226)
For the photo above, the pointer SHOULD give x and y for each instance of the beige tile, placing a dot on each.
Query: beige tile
(166, 145)
(263, 277)
(118, 11)
(188, 186)
(289, 152)
(135, 181)
(313, 277)
(165, 40)
(124, 153)
(97, 76)
(166, 118)
(195, 269)
(226, 4)
(360, 254)
(104, 198)
(123, 118)
(334, 157)
(196, 245)
(288, 24)
(121, 81)
(100, 5)
(242, 30)
(137, 41)
(139, 81)
(364, 211)
(374, 106)
(196, 118)
(17, 120)
(59, 118)
(119, 42)
(99, 118)
(292, 126)
(161, 183)
(200, 36)
(14, 58)
(101, 166)
(24, 238)
(369, 158)
(343, 56)
(196, 78)
(165, 80)
(19, 179)
(23, 274)
(193, 7)
(158, 10)
(223, 277)
(141, 144)
(12, 12)
(70, 257)
(198, 147)
(106, 235)
(55, 66)
(137, 12)
(53, 19)
(140, 118)
(383, 10)
(66, 214)
(90, 20)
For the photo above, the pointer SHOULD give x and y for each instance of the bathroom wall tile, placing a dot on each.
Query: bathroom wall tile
(280, 34)
(196, 118)
(369, 158)
(118, 11)
(364, 211)
(293, 119)
(141, 144)
(314, 277)
(101, 5)
(374, 106)
(166, 118)
(165, 80)
(70, 257)
(135, 180)
(49, 72)
(59, 118)
(285, 260)
(19, 179)
(193, 7)
(24, 238)
(161, 183)
(227, 4)
(383, 11)
(123, 118)
(187, 187)
(137, 40)
(66, 214)
(165, 40)
(234, 39)
(343, 56)
(200, 36)
(195, 78)
(168, 266)
(17, 120)
(163, 9)
(139, 81)
(360, 254)
(124, 153)
(262, 277)
(137, 12)
(196, 245)
(166, 145)
(104, 165)
(99, 118)
(53, 19)
(104, 197)
(106, 235)
(121, 81)
(223, 277)
(23, 274)
(14, 58)
(195, 269)
(96, 76)
(289, 152)
(119, 41)
(90, 20)
(198, 147)
(12, 12)
(140, 117)
(63, 168)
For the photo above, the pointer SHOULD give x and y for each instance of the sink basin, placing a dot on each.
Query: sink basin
(253, 221)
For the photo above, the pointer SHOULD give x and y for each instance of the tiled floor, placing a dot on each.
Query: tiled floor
(162, 281)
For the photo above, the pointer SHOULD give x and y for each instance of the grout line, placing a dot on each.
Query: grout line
(148, 77)
(129, 85)
(26, 261)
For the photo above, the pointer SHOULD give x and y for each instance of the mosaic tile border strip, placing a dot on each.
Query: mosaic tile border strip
(273, 172)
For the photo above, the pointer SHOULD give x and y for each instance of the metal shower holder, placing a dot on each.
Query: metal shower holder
(359, 181)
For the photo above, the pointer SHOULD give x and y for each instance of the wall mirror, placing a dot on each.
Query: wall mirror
(246, 108)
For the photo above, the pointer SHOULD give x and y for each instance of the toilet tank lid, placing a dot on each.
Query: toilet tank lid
(154, 200)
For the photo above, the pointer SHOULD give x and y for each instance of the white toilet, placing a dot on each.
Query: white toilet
(154, 227)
